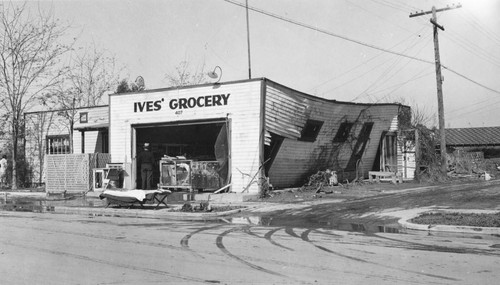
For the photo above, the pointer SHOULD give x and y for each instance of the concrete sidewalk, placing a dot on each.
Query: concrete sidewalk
(405, 217)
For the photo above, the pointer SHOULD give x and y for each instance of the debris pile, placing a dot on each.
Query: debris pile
(202, 207)
(321, 179)
(469, 165)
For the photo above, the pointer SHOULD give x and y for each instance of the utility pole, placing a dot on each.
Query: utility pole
(439, 79)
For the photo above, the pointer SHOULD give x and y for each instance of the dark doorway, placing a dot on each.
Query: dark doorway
(193, 141)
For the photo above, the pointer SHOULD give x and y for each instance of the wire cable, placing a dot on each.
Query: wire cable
(470, 79)
(325, 31)
(358, 66)
(388, 71)
(353, 40)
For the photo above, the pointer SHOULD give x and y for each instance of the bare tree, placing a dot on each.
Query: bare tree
(39, 125)
(30, 55)
(184, 75)
(67, 103)
(420, 115)
(91, 75)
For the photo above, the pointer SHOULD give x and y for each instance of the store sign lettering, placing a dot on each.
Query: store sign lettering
(183, 103)
(147, 106)
(203, 101)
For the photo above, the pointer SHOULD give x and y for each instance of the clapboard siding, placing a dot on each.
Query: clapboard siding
(39, 125)
(285, 113)
(93, 142)
(242, 109)
(97, 117)
(296, 159)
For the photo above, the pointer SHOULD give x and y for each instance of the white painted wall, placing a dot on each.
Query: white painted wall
(93, 142)
(243, 108)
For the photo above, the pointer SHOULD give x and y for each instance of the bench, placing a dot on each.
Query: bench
(395, 177)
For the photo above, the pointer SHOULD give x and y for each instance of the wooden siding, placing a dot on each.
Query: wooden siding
(54, 124)
(285, 113)
(243, 110)
(97, 117)
(93, 142)
(296, 159)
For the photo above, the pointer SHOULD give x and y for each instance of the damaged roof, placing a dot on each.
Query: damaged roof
(473, 136)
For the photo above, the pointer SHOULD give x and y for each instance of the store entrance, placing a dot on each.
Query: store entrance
(202, 147)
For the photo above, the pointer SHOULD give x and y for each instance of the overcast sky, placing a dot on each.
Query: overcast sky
(342, 52)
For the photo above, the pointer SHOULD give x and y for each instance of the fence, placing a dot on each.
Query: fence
(72, 173)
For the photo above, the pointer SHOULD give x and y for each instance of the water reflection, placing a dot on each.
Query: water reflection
(23, 206)
(343, 225)
(45, 204)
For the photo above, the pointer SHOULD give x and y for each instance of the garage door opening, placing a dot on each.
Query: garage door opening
(188, 156)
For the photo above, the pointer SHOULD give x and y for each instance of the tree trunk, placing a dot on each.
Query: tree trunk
(14, 156)
(71, 124)
(41, 157)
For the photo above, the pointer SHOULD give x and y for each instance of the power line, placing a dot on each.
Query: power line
(470, 79)
(491, 104)
(395, 6)
(352, 40)
(361, 64)
(379, 17)
(474, 49)
(326, 32)
(476, 23)
(399, 85)
(384, 74)
(487, 101)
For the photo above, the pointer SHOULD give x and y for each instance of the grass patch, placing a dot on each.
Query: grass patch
(459, 219)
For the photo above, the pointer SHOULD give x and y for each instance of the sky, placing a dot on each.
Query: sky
(367, 51)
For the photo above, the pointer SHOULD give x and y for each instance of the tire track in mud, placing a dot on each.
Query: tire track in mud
(220, 244)
(291, 232)
(437, 248)
(105, 262)
(268, 236)
(185, 240)
(305, 237)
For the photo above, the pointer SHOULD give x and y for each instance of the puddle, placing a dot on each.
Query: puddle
(343, 225)
(41, 204)
(37, 205)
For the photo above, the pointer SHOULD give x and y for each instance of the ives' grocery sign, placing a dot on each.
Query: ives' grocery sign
(182, 103)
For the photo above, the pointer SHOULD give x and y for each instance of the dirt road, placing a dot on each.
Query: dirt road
(45, 248)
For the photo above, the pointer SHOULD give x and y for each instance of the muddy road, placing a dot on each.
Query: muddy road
(329, 243)
(358, 213)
